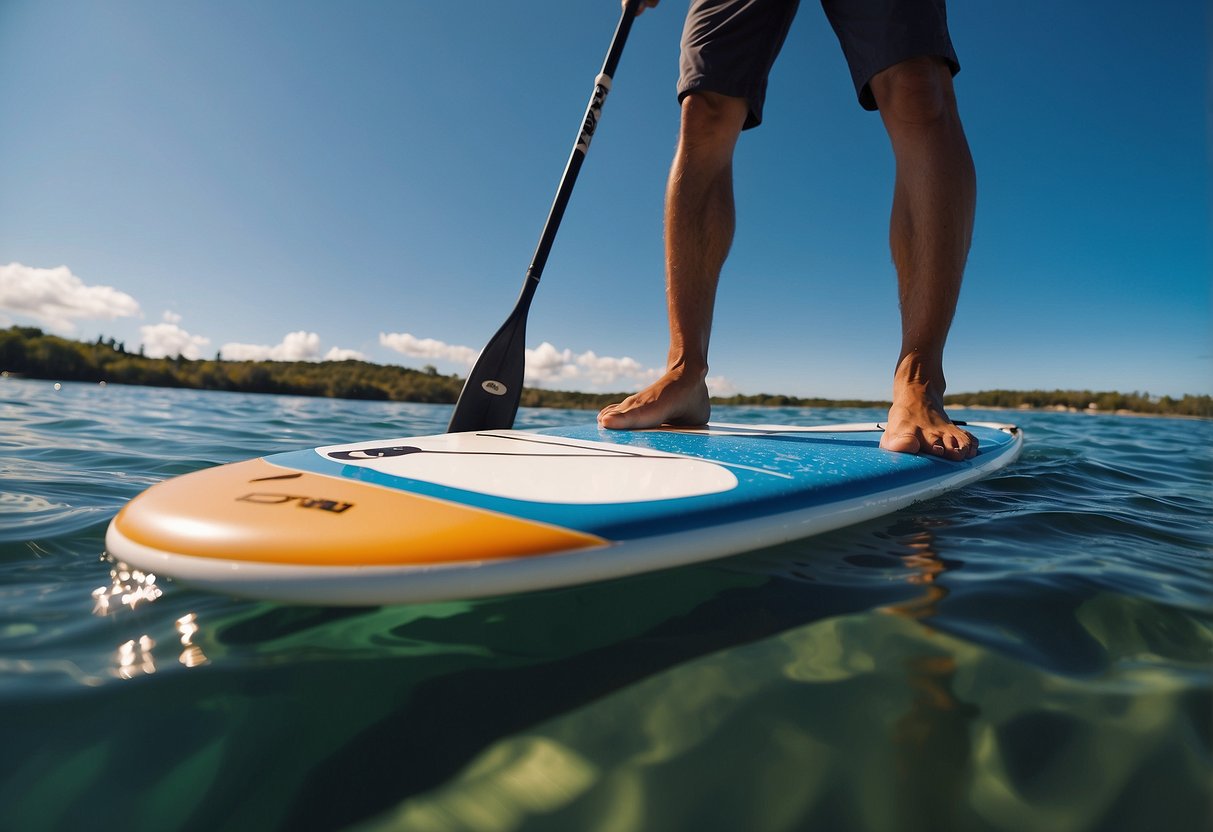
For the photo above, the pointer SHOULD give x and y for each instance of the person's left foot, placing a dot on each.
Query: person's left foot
(917, 422)
(680, 397)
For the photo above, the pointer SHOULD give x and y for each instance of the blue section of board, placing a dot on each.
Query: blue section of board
(777, 472)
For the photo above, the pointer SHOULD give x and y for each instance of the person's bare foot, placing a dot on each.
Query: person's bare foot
(680, 397)
(917, 421)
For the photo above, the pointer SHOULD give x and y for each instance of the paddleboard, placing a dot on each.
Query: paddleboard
(463, 515)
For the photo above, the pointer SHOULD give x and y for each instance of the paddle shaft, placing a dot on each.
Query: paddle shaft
(491, 394)
(589, 123)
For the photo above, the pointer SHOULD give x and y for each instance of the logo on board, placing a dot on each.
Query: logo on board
(265, 498)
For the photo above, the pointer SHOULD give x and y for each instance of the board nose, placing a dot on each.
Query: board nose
(260, 512)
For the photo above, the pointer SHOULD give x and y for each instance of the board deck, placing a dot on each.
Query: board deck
(463, 515)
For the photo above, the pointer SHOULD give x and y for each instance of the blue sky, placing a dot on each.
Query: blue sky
(303, 179)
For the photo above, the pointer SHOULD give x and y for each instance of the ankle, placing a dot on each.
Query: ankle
(921, 370)
(695, 369)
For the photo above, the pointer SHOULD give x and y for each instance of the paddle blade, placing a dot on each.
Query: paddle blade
(493, 388)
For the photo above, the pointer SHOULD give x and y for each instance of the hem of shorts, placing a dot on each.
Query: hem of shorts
(864, 92)
(753, 117)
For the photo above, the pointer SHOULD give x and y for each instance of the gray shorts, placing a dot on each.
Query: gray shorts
(729, 46)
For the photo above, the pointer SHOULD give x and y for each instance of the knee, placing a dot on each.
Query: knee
(711, 120)
(917, 91)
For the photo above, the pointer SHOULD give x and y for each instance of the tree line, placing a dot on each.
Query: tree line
(28, 351)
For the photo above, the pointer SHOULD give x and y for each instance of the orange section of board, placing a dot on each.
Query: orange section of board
(260, 512)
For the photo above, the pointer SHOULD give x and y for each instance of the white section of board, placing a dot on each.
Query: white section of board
(521, 465)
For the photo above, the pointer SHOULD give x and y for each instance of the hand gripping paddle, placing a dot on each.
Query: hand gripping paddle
(494, 386)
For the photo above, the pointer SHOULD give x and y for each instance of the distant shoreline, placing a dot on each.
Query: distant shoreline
(550, 400)
(31, 353)
(1077, 410)
(1107, 403)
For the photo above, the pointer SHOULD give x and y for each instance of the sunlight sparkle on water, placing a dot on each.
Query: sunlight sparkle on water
(191, 654)
(128, 588)
(135, 657)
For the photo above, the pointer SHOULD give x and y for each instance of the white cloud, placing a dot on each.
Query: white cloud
(57, 298)
(167, 339)
(341, 354)
(721, 386)
(546, 365)
(295, 346)
(235, 351)
(427, 348)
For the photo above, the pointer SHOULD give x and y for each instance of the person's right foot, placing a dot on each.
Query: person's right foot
(917, 422)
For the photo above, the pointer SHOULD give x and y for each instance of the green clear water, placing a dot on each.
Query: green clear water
(1034, 652)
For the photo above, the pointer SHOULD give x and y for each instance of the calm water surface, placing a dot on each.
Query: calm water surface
(1031, 653)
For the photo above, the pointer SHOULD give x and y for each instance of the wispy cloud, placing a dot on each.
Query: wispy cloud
(295, 346)
(57, 298)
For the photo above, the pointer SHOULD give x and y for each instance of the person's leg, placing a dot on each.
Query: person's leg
(934, 199)
(699, 221)
(727, 49)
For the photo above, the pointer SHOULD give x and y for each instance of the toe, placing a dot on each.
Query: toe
(903, 443)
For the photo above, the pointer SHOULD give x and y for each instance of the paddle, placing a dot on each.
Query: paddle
(494, 386)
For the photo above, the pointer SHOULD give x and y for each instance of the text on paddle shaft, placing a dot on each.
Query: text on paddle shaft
(593, 113)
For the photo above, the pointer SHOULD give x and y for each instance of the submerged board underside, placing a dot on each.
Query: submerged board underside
(472, 514)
